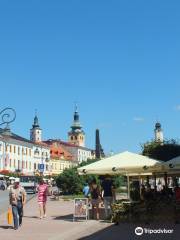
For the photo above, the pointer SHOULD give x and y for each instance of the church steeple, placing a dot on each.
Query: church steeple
(76, 135)
(76, 123)
(36, 131)
(36, 122)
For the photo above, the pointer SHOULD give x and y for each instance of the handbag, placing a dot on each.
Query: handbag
(49, 191)
(9, 216)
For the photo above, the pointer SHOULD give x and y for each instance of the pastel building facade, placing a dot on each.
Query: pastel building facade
(79, 153)
(60, 158)
(21, 155)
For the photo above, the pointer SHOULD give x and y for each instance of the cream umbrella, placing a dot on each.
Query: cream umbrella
(173, 165)
(126, 163)
(123, 163)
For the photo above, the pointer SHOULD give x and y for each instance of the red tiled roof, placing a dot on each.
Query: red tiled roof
(57, 151)
(66, 144)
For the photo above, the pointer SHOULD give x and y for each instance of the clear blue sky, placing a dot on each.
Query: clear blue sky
(120, 60)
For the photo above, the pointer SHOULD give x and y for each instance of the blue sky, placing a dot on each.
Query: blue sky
(119, 60)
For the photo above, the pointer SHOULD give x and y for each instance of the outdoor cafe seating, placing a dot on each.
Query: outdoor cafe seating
(161, 207)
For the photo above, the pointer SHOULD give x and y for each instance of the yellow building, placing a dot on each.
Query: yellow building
(60, 158)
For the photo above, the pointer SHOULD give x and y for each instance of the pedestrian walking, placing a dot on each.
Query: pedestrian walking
(42, 197)
(108, 195)
(17, 199)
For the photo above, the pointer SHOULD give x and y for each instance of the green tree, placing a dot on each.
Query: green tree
(70, 182)
(161, 151)
(89, 161)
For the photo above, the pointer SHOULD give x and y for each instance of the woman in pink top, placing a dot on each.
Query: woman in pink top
(42, 197)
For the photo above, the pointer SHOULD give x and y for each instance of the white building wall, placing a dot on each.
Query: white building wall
(18, 155)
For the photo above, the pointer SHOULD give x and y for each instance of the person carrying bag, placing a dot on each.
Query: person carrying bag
(17, 199)
(9, 216)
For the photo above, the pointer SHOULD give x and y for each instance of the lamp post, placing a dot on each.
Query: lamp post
(7, 116)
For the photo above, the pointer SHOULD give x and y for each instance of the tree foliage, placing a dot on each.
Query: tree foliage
(161, 151)
(70, 182)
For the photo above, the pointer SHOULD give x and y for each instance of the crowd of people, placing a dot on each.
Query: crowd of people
(97, 194)
(100, 193)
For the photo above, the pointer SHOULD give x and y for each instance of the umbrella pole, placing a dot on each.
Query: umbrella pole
(128, 186)
(155, 185)
(140, 186)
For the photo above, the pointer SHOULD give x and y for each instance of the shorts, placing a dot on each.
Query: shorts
(95, 202)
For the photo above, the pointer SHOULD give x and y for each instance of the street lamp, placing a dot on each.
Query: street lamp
(7, 115)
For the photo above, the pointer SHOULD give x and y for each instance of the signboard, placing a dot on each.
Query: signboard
(41, 167)
(80, 208)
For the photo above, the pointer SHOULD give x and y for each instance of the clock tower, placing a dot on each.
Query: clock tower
(76, 136)
(36, 131)
(158, 133)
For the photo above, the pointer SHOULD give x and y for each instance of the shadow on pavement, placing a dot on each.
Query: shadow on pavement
(6, 227)
(30, 217)
(127, 232)
(68, 218)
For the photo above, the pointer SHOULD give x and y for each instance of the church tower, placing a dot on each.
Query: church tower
(158, 133)
(36, 131)
(76, 135)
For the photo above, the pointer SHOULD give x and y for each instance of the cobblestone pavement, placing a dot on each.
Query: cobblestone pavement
(58, 225)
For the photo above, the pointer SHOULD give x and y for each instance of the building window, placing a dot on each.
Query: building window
(18, 164)
(71, 137)
(26, 151)
(14, 149)
(10, 162)
(10, 148)
(30, 152)
(34, 166)
(14, 163)
(29, 165)
(18, 150)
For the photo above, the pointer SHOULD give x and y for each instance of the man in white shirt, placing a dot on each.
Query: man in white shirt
(17, 199)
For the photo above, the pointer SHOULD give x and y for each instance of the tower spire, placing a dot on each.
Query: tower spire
(76, 135)
(75, 107)
(36, 131)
